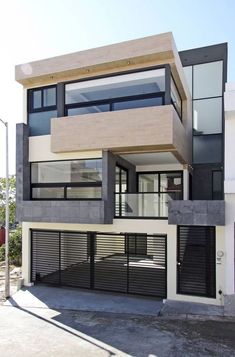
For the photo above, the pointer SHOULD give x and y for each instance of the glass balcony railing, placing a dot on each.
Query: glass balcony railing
(144, 204)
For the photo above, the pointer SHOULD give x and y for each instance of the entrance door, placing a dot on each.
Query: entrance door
(196, 261)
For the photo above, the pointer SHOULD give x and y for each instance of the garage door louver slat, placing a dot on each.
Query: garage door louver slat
(134, 263)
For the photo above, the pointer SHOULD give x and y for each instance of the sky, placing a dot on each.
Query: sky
(36, 29)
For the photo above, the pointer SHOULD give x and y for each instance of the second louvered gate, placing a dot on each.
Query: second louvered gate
(196, 261)
(130, 263)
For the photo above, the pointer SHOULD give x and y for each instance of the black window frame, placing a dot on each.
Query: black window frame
(162, 94)
(121, 168)
(43, 108)
(159, 173)
(222, 186)
(64, 185)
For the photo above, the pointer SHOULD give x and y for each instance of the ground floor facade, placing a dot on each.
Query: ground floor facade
(147, 257)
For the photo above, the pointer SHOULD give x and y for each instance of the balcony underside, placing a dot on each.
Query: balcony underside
(152, 129)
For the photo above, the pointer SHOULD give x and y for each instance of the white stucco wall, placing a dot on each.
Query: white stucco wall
(229, 185)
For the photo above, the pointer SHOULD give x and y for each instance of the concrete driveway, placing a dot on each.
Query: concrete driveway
(42, 321)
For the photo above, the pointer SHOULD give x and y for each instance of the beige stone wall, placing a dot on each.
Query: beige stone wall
(145, 52)
(136, 130)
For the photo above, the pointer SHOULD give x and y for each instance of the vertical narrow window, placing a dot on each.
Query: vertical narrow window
(175, 98)
(41, 108)
(217, 185)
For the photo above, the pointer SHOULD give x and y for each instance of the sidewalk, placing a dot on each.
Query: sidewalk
(58, 322)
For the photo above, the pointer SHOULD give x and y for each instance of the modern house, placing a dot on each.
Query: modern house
(120, 171)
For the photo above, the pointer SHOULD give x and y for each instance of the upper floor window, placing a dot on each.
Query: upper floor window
(175, 98)
(41, 108)
(133, 90)
(42, 98)
(205, 82)
(208, 80)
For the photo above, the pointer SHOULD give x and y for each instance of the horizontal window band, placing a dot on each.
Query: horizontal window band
(69, 184)
(66, 199)
(115, 100)
(43, 109)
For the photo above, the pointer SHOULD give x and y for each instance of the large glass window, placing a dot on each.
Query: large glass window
(40, 122)
(72, 179)
(206, 85)
(207, 116)
(41, 108)
(207, 80)
(133, 90)
(161, 182)
(125, 85)
(155, 190)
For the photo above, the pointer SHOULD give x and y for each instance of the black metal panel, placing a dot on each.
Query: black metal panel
(147, 272)
(45, 257)
(75, 259)
(110, 271)
(196, 261)
(134, 263)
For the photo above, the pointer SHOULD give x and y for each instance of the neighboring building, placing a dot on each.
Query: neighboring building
(123, 190)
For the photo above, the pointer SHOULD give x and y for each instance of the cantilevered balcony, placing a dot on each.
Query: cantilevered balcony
(149, 129)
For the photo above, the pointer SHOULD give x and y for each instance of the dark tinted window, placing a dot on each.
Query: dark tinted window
(207, 149)
(41, 108)
(40, 122)
(140, 103)
(89, 109)
(217, 185)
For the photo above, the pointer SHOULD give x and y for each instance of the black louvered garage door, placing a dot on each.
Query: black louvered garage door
(129, 263)
(196, 261)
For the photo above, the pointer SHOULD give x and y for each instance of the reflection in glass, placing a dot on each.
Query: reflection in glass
(148, 182)
(152, 81)
(207, 116)
(139, 103)
(37, 99)
(89, 110)
(48, 193)
(175, 97)
(49, 97)
(120, 179)
(171, 183)
(83, 192)
(188, 76)
(208, 80)
(67, 171)
(142, 204)
(40, 122)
